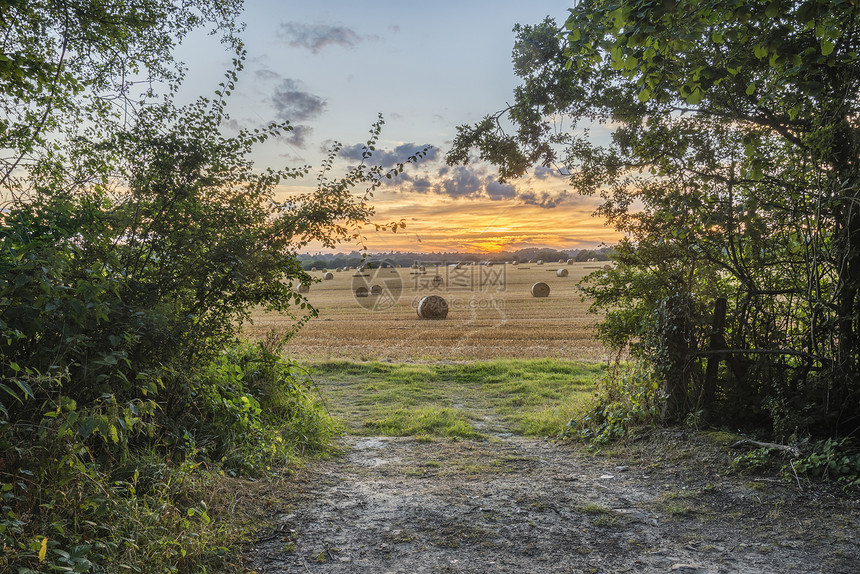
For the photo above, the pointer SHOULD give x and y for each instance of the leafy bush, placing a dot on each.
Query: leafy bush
(832, 459)
(109, 475)
(626, 397)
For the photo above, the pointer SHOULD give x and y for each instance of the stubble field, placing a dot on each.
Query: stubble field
(492, 315)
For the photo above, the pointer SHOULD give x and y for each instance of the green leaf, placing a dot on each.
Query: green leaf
(751, 88)
(644, 95)
(695, 96)
(575, 35)
(827, 47)
(772, 10)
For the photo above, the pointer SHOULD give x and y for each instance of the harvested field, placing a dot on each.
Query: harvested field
(492, 314)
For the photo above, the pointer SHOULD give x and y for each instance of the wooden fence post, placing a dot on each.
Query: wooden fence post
(717, 342)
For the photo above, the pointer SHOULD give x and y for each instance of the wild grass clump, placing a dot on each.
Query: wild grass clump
(112, 487)
(425, 421)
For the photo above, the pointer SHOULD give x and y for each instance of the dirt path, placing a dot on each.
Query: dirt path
(397, 505)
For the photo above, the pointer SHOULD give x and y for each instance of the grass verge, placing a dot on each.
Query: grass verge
(466, 400)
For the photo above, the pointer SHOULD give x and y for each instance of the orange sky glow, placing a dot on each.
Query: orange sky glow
(441, 224)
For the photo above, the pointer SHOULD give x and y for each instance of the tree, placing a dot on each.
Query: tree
(135, 238)
(64, 64)
(734, 126)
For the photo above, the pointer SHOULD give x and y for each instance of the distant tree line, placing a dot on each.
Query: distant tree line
(405, 259)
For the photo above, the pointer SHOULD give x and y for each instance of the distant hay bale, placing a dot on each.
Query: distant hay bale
(422, 269)
(607, 267)
(561, 260)
(539, 261)
(303, 288)
(561, 272)
(376, 290)
(313, 268)
(362, 292)
(570, 261)
(415, 266)
(515, 262)
(437, 281)
(328, 275)
(432, 307)
(540, 289)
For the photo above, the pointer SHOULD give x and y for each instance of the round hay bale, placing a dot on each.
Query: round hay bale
(561, 260)
(313, 268)
(362, 292)
(607, 267)
(515, 263)
(540, 289)
(432, 307)
(302, 288)
(561, 273)
(328, 275)
(570, 262)
(422, 269)
(415, 266)
(376, 290)
(437, 281)
(539, 261)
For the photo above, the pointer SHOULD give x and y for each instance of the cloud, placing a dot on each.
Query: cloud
(388, 158)
(294, 104)
(298, 136)
(542, 172)
(474, 182)
(462, 183)
(497, 190)
(263, 75)
(317, 37)
(543, 199)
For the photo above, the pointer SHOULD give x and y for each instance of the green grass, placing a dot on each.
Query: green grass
(425, 420)
(467, 400)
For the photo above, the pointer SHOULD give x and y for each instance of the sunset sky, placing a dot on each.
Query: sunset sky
(329, 67)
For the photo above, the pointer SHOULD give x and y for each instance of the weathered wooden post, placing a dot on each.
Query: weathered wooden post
(718, 342)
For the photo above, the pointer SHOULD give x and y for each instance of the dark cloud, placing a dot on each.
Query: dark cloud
(294, 104)
(543, 199)
(498, 191)
(542, 172)
(462, 183)
(422, 185)
(317, 37)
(473, 182)
(388, 158)
(298, 136)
